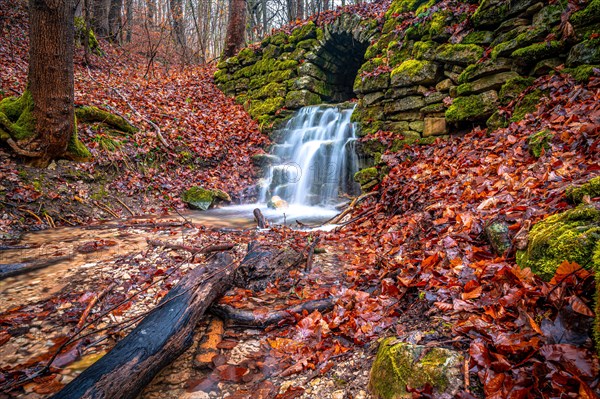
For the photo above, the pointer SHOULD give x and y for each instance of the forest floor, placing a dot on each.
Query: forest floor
(411, 262)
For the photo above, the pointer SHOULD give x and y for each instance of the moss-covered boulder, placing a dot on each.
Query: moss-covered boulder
(477, 107)
(201, 198)
(513, 88)
(587, 16)
(399, 365)
(571, 236)
(414, 72)
(539, 142)
(591, 189)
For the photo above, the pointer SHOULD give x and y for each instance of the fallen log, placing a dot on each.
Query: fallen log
(193, 250)
(261, 222)
(16, 269)
(165, 333)
(251, 318)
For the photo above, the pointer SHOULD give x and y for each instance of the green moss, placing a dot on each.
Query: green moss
(496, 121)
(482, 37)
(571, 236)
(512, 88)
(424, 50)
(266, 107)
(285, 64)
(409, 67)
(107, 143)
(526, 105)
(198, 198)
(582, 73)
(76, 150)
(522, 40)
(400, 365)
(462, 54)
(80, 31)
(402, 6)
(596, 267)
(490, 13)
(464, 88)
(588, 15)
(279, 39)
(585, 53)
(246, 56)
(438, 23)
(94, 114)
(539, 141)
(389, 25)
(575, 194)
(471, 108)
(280, 76)
(307, 31)
(537, 51)
(19, 120)
(272, 89)
(366, 175)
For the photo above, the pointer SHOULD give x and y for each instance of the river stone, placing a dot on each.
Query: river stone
(265, 160)
(200, 198)
(277, 202)
(400, 364)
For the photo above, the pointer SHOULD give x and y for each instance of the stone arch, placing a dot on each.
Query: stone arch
(330, 69)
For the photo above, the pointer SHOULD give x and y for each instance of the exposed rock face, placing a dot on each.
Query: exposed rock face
(400, 364)
(202, 198)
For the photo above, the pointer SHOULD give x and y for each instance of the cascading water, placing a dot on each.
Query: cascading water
(316, 160)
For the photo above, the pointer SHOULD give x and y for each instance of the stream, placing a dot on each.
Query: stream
(309, 179)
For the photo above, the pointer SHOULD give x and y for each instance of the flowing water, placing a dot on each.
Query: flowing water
(316, 160)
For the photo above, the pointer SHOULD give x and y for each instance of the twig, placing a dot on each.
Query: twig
(32, 214)
(125, 206)
(105, 209)
(311, 254)
(350, 208)
(93, 302)
(192, 250)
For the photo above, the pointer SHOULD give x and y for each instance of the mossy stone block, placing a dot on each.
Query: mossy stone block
(414, 72)
(526, 105)
(473, 108)
(538, 51)
(513, 87)
(587, 16)
(479, 37)
(568, 236)
(399, 365)
(586, 52)
(459, 54)
(300, 98)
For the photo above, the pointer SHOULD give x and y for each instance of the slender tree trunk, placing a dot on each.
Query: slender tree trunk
(50, 79)
(114, 20)
(151, 9)
(265, 18)
(128, 18)
(234, 39)
(178, 25)
(300, 9)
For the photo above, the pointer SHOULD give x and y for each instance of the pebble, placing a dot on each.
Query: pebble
(338, 395)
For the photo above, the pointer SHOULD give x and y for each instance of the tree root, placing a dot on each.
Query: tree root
(92, 114)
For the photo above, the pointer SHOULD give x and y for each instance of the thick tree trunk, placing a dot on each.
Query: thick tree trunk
(115, 25)
(100, 18)
(300, 9)
(234, 39)
(50, 79)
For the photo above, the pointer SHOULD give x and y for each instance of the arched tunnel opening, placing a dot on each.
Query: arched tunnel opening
(339, 60)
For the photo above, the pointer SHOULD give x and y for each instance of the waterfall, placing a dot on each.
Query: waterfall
(315, 160)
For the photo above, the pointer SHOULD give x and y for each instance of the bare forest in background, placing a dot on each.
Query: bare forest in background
(191, 31)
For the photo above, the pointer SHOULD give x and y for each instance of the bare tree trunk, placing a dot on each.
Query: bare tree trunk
(234, 39)
(100, 18)
(178, 26)
(128, 19)
(151, 9)
(51, 35)
(325, 5)
(114, 20)
(300, 9)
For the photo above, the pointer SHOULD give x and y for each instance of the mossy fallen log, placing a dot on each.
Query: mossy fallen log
(92, 114)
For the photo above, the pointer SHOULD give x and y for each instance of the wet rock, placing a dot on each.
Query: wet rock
(414, 72)
(472, 108)
(277, 202)
(434, 127)
(400, 364)
(586, 52)
(265, 160)
(202, 199)
(498, 236)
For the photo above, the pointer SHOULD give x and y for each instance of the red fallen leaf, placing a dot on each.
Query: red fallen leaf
(47, 388)
(291, 393)
(475, 293)
(228, 372)
(567, 269)
(227, 344)
(446, 307)
(579, 306)
(575, 360)
(4, 337)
